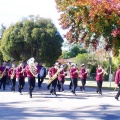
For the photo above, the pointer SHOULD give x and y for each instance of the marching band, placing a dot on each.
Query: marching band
(56, 76)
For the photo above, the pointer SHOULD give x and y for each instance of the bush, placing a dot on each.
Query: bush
(81, 58)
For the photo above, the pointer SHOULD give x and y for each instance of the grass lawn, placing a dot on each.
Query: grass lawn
(92, 83)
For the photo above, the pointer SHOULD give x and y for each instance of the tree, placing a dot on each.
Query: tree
(81, 59)
(2, 30)
(36, 37)
(74, 51)
(87, 20)
(66, 55)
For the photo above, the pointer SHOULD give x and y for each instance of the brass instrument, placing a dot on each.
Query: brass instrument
(32, 67)
(13, 74)
(3, 73)
(55, 75)
(23, 71)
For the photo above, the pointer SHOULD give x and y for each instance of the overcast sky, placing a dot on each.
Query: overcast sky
(12, 11)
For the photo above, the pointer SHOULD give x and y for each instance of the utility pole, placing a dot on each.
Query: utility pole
(110, 66)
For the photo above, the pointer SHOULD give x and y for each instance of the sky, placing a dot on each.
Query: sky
(11, 11)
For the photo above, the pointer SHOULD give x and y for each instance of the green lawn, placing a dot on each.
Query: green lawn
(92, 83)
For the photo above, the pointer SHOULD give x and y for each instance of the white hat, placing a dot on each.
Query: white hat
(73, 64)
(83, 65)
(57, 64)
(62, 66)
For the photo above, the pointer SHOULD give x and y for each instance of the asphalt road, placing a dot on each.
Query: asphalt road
(86, 105)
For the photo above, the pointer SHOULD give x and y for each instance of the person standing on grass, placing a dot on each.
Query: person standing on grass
(99, 79)
(83, 76)
(117, 81)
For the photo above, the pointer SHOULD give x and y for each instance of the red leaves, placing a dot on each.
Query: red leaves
(90, 17)
(115, 32)
(108, 11)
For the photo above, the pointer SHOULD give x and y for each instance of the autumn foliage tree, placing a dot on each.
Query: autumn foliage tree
(87, 20)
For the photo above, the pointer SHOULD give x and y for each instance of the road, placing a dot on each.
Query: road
(86, 105)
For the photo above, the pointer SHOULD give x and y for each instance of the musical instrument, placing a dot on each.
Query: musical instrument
(68, 66)
(3, 73)
(56, 75)
(13, 74)
(32, 67)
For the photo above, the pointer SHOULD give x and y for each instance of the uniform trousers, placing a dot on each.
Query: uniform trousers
(21, 83)
(54, 84)
(74, 83)
(99, 86)
(3, 82)
(60, 84)
(70, 86)
(118, 93)
(13, 84)
(31, 81)
(83, 82)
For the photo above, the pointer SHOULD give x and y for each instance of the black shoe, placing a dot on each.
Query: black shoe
(97, 91)
(73, 92)
(116, 98)
(55, 94)
(51, 91)
(70, 88)
(81, 88)
(48, 87)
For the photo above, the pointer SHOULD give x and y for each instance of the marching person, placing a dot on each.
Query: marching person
(54, 71)
(31, 74)
(39, 66)
(61, 79)
(117, 81)
(83, 76)
(20, 76)
(12, 75)
(99, 79)
(70, 85)
(50, 75)
(74, 77)
(42, 74)
(4, 76)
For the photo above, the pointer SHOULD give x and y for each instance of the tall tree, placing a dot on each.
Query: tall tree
(36, 37)
(87, 20)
